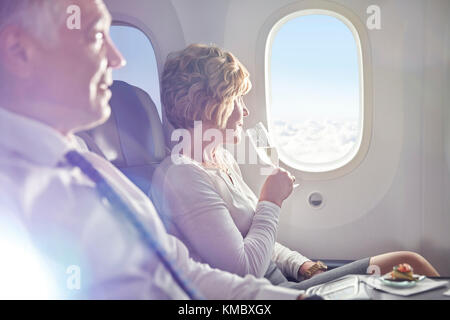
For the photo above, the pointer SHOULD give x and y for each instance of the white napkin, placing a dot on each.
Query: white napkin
(421, 286)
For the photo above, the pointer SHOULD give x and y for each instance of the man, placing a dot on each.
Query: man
(54, 82)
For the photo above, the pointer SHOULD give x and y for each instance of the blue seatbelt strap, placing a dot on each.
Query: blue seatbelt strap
(105, 190)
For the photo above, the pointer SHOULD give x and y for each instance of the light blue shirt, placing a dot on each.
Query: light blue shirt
(73, 228)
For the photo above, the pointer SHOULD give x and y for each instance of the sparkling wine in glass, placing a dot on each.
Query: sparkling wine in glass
(263, 145)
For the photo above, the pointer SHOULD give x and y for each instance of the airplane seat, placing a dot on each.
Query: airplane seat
(132, 139)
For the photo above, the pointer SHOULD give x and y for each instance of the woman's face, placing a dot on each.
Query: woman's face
(236, 121)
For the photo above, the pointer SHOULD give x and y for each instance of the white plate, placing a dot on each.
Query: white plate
(400, 284)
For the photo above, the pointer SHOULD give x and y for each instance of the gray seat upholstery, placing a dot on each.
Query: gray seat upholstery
(132, 138)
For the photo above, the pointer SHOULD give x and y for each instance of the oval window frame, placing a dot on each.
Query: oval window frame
(357, 27)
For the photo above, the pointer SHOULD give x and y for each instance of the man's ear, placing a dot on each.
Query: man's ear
(17, 50)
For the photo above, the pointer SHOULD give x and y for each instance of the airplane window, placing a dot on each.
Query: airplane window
(141, 69)
(316, 110)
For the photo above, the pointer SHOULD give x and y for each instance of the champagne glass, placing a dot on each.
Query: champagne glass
(263, 145)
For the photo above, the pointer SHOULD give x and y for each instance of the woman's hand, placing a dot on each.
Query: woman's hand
(278, 187)
(305, 266)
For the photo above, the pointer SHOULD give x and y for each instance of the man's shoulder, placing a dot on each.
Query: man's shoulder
(13, 169)
(22, 180)
(17, 169)
(13, 182)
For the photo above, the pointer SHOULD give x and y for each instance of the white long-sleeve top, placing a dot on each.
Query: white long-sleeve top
(70, 225)
(220, 219)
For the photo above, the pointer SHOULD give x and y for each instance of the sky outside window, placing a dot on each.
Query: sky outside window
(315, 107)
(141, 69)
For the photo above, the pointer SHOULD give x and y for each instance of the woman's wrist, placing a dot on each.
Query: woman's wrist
(278, 203)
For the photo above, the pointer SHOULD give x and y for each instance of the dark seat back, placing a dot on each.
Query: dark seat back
(132, 138)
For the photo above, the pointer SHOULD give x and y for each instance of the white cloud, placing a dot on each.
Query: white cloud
(316, 141)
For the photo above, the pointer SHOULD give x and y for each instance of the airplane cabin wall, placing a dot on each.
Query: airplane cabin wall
(397, 198)
(436, 105)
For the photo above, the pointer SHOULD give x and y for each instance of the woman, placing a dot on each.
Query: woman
(200, 189)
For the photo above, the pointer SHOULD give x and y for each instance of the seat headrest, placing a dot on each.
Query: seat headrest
(133, 135)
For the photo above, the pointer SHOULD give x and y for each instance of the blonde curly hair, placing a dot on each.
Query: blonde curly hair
(200, 83)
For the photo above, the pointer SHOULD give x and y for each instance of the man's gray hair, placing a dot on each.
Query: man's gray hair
(42, 18)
